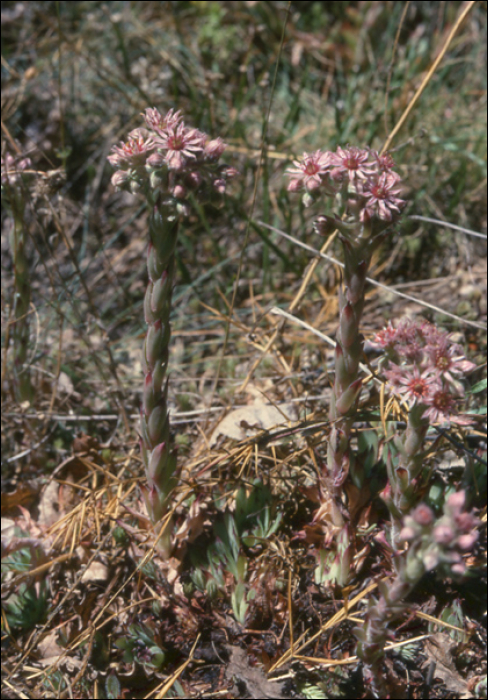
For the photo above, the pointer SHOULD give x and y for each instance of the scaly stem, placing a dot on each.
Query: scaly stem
(432, 544)
(364, 186)
(23, 385)
(158, 453)
(170, 164)
(13, 182)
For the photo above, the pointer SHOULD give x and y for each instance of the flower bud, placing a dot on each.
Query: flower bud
(155, 161)
(443, 534)
(431, 558)
(176, 161)
(230, 172)
(458, 569)
(294, 186)
(455, 502)
(406, 534)
(219, 186)
(423, 515)
(120, 179)
(194, 179)
(134, 186)
(467, 541)
(155, 181)
(214, 148)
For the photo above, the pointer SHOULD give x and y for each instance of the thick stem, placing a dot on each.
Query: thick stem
(403, 478)
(158, 452)
(432, 544)
(22, 378)
(372, 637)
(347, 385)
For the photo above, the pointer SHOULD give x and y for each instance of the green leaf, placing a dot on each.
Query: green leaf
(27, 608)
(479, 387)
(112, 687)
(158, 657)
(241, 568)
(239, 604)
(313, 692)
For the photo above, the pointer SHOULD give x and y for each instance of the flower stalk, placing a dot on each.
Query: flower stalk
(169, 163)
(13, 176)
(423, 367)
(432, 545)
(364, 189)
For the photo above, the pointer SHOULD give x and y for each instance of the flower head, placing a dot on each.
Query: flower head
(441, 407)
(441, 542)
(381, 197)
(424, 365)
(448, 359)
(12, 168)
(356, 163)
(133, 153)
(384, 162)
(406, 340)
(411, 383)
(156, 122)
(308, 172)
(367, 184)
(169, 160)
(180, 145)
(385, 338)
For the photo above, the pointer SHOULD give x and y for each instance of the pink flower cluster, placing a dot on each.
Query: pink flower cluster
(362, 175)
(169, 158)
(424, 365)
(442, 541)
(12, 169)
